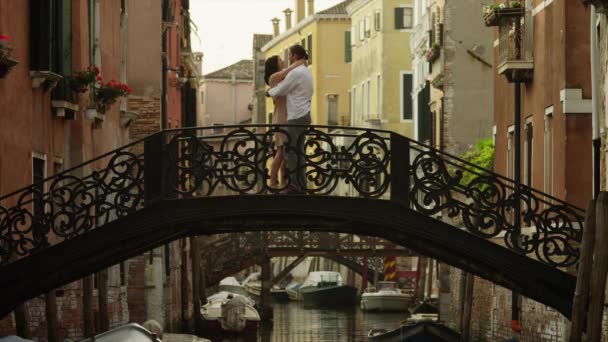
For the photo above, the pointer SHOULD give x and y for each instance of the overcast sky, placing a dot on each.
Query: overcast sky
(226, 27)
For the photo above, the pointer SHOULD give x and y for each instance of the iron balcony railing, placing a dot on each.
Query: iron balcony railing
(373, 164)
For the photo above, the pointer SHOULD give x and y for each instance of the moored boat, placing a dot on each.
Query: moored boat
(424, 331)
(230, 313)
(387, 298)
(325, 288)
(230, 284)
(253, 284)
(279, 295)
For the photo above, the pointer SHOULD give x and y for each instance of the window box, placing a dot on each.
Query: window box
(97, 117)
(64, 109)
(127, 117)
(493, 16)
(437, 82)
(433, 53)
(6, 64)
(47, 79)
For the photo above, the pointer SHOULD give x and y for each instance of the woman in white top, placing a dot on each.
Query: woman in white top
(274, 73)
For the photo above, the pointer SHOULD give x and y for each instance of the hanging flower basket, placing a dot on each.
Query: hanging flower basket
(433, 53)
(81, 81)
(493, 13)
(106, 94)
(6, 62)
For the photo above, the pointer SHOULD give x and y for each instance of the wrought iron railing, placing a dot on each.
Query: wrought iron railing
(515, 39)
(374, 164)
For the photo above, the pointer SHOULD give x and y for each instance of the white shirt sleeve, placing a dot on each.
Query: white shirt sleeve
(285, 86)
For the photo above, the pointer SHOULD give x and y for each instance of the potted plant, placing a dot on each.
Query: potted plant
(106, 94)
(437, 82)
(493, 13)
(6, 62)
(81, 81)
(432, 53)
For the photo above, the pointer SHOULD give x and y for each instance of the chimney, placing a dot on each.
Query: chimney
(311, 7)
(275, 26)
(287, 18)
(300, 15)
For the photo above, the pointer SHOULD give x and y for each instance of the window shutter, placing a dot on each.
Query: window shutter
(347, 47)
(62, 49)
(65, 43)
(398, 18)
(41, 12)
(407, 96)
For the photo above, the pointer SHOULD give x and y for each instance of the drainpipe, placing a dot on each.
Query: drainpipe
(123, 38)
(233, 98)
(594, 98)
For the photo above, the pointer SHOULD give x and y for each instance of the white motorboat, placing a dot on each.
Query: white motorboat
(386, 298)
(253, 284)
(230, 313)
(230, 284)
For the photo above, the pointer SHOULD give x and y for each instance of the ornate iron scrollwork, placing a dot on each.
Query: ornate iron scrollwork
(338, 162)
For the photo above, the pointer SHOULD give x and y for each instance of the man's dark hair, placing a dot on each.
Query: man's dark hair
(298, 51)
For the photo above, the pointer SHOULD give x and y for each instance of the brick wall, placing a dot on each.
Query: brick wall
(491, 315)
(136, 290)
(70, 310)
(149, 120)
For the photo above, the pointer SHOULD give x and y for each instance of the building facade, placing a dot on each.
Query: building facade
(51, 130)
(227, 94)
(57, 128)
(381, 67)
(421, 96)
(551, 61)
(324, 35)
(461, 76)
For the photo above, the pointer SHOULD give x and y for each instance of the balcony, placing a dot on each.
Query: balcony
(515, 48)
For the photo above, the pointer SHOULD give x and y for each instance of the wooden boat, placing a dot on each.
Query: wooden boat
(131, 332)
(230, 313)
(325, 288)
(279, 295)
(423, 331)
(230, 284)
(253, 284)
(387, 298)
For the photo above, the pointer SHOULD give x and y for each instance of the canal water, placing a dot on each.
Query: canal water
(295, 323)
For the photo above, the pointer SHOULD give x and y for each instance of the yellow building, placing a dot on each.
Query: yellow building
(381, 78)
(324, 35)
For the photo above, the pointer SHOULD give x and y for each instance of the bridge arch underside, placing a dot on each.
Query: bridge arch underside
(165, 221)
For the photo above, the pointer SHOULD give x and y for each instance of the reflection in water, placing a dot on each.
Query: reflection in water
(295, 323)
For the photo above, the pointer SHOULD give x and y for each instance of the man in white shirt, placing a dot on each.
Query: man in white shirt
(298, 88)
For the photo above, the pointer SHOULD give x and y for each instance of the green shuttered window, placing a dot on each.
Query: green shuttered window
(406, 88)
(348, 55)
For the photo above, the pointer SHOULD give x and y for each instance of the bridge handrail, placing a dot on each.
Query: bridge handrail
(369, 157)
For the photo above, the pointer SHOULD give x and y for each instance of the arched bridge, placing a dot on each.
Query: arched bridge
(232, 253)
(200, 181)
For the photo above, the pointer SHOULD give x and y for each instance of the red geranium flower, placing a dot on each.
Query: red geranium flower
(4, 37)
